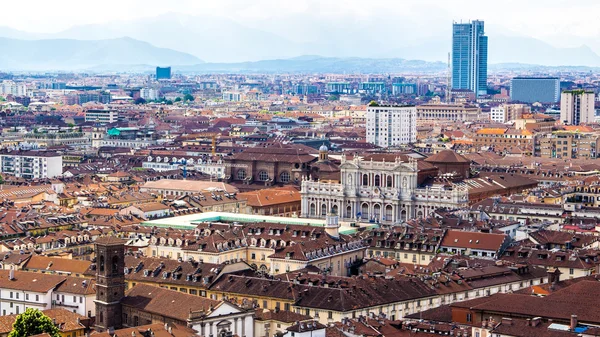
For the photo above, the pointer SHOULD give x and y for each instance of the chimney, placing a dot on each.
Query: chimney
(11, 274)
(573, 322)
(536, 321)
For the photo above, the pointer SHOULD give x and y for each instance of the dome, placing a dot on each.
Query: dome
(323, 148)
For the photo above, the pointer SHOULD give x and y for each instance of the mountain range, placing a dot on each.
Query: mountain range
(183, 41)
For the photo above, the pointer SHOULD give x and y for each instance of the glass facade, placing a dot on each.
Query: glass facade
(535, 89)
(469, 57)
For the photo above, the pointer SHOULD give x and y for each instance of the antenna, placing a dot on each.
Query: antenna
(449, 81)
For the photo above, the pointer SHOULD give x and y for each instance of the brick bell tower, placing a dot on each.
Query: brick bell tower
(110, 282)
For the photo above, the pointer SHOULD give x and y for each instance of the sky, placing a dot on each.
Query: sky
(559, 22)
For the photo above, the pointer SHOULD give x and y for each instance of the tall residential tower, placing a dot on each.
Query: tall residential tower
(469, 57)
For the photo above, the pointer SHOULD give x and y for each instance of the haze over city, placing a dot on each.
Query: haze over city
(299, 168)
(238, 31)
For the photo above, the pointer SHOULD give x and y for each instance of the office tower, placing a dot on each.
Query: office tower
(163, 73)
(469, 57)
(535, 89)
(577, 106)
(391, 125)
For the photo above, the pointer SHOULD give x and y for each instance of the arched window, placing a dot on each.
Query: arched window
(284, 177)
(101, 317)
(323, 210)
(334, 209)
(364, 211)
(377, 180)
(241, 174)
(377, 212)
(389, 213)
(101, 262)
(263, 176)
(115, 265)
(365, 181)
(349, 212)
(313, 210)
(389, 181)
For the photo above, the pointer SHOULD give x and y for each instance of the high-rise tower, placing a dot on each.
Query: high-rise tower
(469, 57)
(110, 282)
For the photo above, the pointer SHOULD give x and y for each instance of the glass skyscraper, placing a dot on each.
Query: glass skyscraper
(469, 57)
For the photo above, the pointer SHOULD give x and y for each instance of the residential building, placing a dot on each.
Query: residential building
(12, 88)
(20, 290)
(577, 106)
(104, 116)
(149, 94)
(535, 89)
(474, 243)
(404, 89)
(469, 57)
(31, 164)
(567, 144)
(389, 126)
(500, 139)
(163, 73)
(498, 114)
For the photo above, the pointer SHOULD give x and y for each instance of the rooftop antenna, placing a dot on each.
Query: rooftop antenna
(448, 81)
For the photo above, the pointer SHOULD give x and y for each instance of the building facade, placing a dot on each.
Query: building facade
(377, 191)
(535, 89)
(469, 57)
(31, 164)
(577, 106)
(391, 125)
(102, 116)
(452, 112)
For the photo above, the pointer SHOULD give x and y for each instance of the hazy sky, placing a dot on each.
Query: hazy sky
(555, 21)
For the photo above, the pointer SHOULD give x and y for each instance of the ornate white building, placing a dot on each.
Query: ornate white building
(378, 191)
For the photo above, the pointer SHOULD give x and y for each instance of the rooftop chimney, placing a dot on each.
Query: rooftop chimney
(573, 322)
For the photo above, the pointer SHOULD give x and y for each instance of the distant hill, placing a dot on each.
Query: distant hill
(68, 54)
(315, 64)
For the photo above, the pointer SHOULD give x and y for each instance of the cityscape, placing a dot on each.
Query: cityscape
(306, 169)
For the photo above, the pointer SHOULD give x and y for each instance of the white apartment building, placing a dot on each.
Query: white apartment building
(232, 96)
(577, 106)
(391, 125)
(498, 114)
(12, 88)
(31, 164)
(102, 116)
(149, 94)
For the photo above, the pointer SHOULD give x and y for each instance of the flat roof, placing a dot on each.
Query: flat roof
(191, 221)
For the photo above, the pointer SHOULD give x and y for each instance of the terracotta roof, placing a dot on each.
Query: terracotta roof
(167, 303)
(110, 241)
(28, 281)
(272, 196)
(77, 285)
(158, 330)
(473, 240)
(447, 156)
(55, 264)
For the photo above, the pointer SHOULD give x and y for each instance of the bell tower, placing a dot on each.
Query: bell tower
(110, 282)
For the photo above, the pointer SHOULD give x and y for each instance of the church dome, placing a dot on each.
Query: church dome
(323, 148)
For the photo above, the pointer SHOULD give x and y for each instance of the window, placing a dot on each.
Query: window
(365, 180)
(26, 297)
(389, 181)
(377, 180)
(306, 312)
(193, 292)
(17, 310)
(80, 299)
(253, 256)
(571, 271)
(11, 294)
(74, 299)
(286, 306)
(263, 176)
(330, 315)
(37, 298)
(264, 305)
(284, 177)
(241, 174)
(17, 294)
(469, 318)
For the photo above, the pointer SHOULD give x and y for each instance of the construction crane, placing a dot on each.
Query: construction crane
(213, 136)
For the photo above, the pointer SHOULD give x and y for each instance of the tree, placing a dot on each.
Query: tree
(178, 99)
(33, 322)
(139, 100)
(188, 97)
(373, 103)
(333, 98)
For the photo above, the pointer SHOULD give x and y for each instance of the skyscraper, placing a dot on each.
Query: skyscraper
(163, 73)
(469, 57)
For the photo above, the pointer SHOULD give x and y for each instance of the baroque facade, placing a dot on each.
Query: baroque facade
(378, 191)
